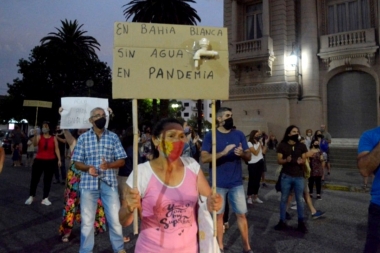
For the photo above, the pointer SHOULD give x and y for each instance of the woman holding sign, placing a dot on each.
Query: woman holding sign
(46, 162)
(167, 193)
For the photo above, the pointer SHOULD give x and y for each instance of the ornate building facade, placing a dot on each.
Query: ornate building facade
(334, 78)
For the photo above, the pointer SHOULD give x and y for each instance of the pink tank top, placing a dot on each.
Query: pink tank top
(168, 213)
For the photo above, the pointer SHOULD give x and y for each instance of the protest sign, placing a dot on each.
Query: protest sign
(170, 61)
(76, 111)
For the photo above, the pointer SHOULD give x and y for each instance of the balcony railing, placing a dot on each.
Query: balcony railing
(348, 40)
(248, 46)
(250, 50)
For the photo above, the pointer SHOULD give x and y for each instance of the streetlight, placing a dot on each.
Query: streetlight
(89, 84)
(293, 57)
(175, 107)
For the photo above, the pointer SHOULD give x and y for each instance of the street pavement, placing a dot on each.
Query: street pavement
(34, 228)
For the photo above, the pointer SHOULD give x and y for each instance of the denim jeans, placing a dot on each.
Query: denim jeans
(236, 199)
(88, 203)
(372, 244)
(287, 184)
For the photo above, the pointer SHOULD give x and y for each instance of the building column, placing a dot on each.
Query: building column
(234, 20)
(309, 50)
(266, 18)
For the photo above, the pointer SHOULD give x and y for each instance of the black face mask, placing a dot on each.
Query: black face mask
(316, 146)
(100, 123)
(294, 138)
(320, 136)
(257, 138)
(228, 124)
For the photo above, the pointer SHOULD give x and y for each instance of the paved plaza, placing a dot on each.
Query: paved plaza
(34, 228)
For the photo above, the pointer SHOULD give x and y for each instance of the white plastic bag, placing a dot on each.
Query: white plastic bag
(207, 241)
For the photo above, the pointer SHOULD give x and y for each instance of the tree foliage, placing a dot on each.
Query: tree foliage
(42, 80)
(164, 12)
(71, 43)
(59, 67)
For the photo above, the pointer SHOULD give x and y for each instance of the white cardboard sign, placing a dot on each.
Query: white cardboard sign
(76, 111)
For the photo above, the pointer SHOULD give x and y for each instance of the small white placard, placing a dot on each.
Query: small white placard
(76, 111)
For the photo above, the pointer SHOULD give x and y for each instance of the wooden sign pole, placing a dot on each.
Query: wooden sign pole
(135, 161)
(213, 162)
(35, 123)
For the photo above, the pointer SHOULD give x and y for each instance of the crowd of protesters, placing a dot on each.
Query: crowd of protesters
(169, 150)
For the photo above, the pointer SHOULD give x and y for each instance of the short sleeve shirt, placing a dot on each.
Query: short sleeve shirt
(368, 142)
(259, 156)
(90, 150)
(229, 170)
(327, 136)
(168, 222)
(292, 168)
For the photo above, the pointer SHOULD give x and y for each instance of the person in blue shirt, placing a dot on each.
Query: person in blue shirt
(99, 154)
(231, 148)
(368, 164)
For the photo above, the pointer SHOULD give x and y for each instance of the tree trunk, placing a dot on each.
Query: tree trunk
(164, 108)
(154, 111)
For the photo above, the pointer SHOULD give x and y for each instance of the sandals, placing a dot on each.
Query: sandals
(126, 238)
(65, 238)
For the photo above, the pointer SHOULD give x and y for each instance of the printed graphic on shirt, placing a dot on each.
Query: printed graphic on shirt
(175, 216)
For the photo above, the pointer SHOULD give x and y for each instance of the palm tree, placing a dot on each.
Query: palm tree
(177, 12)
(71, 52)
(162, 11)
(70, 40)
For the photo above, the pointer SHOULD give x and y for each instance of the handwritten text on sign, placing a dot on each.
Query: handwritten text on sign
(76, 111)
(157, 61)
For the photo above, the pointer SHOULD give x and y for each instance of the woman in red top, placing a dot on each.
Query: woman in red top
(45, 162)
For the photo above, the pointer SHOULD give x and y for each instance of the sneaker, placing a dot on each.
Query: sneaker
(288, 216)
(249, 200)
(257, 200)
(293, 207)
(317, 214)
(46, 202)
(294, 203)
(29, 201)
(319, 197)
(302, 227)
(280, 226)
